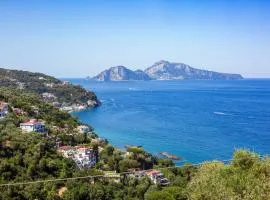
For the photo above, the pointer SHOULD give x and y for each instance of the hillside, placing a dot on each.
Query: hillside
(163, 70)
(53, 90)
(31, 156)
(121, 73)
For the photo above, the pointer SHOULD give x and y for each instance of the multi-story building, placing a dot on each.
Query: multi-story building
(3, 109)
(33, 125)
(84, 157)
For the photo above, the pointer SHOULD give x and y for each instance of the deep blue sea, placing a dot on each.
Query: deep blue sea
(196, 120)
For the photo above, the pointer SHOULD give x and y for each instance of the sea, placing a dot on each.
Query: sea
(195, 120)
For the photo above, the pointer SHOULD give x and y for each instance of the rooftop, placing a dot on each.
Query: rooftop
(3, 105)
(152, 172)
(32, 122)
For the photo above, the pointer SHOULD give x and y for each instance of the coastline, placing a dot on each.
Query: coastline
(191, 126)
(81, 107)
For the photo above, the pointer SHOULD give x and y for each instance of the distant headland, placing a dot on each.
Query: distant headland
(163, 70)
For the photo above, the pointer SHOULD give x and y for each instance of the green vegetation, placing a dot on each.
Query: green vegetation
(34, 107)
(27, 157)
(119, 161)
(33, 156)
(39, 83)
(247, 178)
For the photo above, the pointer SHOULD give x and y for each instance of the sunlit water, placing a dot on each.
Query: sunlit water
(197, 120)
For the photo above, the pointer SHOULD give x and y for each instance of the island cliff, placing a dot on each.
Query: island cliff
(121, 73)
(163, 70)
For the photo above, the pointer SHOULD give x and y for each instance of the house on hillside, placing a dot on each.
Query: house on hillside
(56, 104)
(84, 157)
(66, 83)
(83, 129)
(157, 177)
(33, 125)
(3, 109)
(48, 96)
(50, 85)
(41, 78)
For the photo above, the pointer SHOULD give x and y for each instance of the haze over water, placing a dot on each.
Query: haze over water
(196, 120)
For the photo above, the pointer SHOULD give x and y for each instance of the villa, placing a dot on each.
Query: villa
(83, 129)
(3, 109)
(48, 96)
(41, 78)
(84, 157)
(157, 177)
(50, 85)
(33, 125)
(65, 83)
(56, 104)
(91, 103)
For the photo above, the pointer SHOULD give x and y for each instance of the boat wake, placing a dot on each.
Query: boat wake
(221, 113)
(133, 89)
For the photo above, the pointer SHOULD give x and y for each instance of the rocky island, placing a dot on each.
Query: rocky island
(163, 70)
(121, 73)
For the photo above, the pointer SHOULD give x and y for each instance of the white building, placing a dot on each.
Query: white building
(48, 96)
(91, 103)
(157, 177)
(50, 85)
(83, 129)
(65, 83)
(3, 109)
(33, 125)
(41, 78)
(67, 108)
(85, 157)
(82, 156)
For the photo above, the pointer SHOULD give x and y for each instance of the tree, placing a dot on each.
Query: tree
(245, 178)
(126, 164)
(158, 195)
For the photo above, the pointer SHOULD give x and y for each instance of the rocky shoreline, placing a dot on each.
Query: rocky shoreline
(80, 107)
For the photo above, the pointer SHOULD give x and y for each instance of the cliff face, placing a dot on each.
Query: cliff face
(164, 70)
(121, 73)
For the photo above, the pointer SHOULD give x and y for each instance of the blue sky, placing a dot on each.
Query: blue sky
(80, 38)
